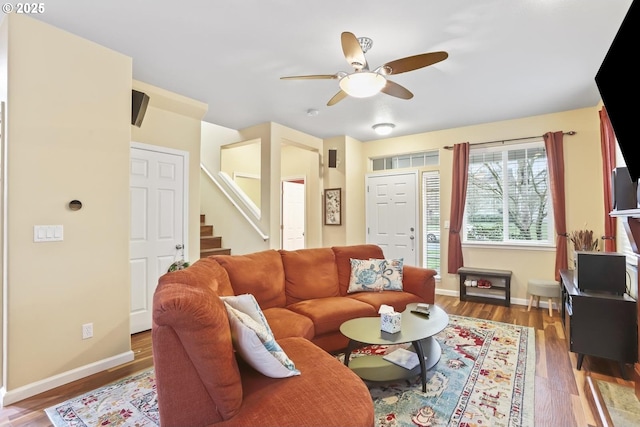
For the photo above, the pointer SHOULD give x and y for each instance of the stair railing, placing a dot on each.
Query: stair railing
(233, 201)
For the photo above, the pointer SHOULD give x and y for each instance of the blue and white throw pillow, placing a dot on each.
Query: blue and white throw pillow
(253, 338)
(375, 275)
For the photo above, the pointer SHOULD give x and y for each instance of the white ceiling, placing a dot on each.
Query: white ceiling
(507, 58)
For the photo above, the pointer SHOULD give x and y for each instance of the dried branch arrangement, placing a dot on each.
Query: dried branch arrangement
(583, 240)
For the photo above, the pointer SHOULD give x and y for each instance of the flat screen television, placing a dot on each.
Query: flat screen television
(601, 272)
(618, 81)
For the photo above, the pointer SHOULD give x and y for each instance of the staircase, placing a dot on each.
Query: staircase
(210, 244)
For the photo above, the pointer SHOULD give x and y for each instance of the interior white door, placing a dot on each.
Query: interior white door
(157, 224)
(392, 214)
(293, 215)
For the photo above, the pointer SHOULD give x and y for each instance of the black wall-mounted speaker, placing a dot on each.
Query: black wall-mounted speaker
(623, 189)
(333, 158)
(139, 102)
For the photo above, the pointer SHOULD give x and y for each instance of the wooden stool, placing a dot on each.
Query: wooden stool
(543, 288)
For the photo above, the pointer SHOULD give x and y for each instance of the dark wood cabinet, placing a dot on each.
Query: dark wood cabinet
(498, 293)
(598, 324)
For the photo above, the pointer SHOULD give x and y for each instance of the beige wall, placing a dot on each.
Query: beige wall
(583, 181)
(67, 137)
(4, 52)
(237, 234)
(300, 162)
(174, 121)
(244, 160)
(336, 235)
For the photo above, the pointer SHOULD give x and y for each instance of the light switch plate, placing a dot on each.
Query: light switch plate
(48, 233)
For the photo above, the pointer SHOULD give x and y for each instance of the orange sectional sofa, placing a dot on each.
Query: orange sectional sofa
(303, 296)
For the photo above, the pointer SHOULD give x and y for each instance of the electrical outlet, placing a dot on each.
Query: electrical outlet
(87, 331)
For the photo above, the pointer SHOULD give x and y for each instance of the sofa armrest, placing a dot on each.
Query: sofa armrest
(420, 281)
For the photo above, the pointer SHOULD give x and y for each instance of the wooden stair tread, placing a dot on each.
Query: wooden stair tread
(209, 243)
(215, 251)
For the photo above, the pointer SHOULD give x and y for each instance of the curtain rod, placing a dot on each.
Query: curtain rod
(450, 147)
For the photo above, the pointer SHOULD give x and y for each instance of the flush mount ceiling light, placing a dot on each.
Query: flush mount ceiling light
(383, 128)
(362, 84)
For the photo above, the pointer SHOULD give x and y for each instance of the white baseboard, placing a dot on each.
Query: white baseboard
(20, 393)
(514, 301)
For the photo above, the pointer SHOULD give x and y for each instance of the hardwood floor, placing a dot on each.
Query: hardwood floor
(560, 400)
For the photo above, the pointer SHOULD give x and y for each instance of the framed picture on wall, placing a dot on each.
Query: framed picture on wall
(333, 206)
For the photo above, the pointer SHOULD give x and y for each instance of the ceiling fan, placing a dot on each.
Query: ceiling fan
(362, 82)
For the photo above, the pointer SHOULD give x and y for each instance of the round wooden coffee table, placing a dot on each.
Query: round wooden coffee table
(416, 329)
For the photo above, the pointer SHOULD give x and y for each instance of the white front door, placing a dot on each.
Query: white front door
(158, 212)
(392, 214)
(293, 215)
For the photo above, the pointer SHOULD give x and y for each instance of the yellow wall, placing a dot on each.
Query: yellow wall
(303, 163)
(583, 184)
(243, 159)
(336, 235)
(67, 137)
(235, 231)
(174, 121)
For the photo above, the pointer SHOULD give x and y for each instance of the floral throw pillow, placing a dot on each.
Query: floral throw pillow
(253, 339)
(375, 275)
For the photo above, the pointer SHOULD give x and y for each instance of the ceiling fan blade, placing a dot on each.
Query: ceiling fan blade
(313, 76)
(353, 51)
(337, 98)
(411, 63)
(394, 89)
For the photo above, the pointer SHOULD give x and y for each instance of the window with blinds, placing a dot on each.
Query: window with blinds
(431, 220)
(508, 196)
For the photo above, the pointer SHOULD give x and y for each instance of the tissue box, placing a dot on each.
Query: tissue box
(391, 322)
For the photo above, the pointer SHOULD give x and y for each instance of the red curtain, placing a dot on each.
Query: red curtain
(555, 161)
(458, 200)
(608, 145)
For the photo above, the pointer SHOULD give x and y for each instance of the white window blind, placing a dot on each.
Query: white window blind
(431, 220)
(508, 196)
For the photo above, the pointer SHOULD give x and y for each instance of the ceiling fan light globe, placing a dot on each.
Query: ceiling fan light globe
(362, 84)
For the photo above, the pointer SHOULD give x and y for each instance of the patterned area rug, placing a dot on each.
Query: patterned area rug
(485, 377)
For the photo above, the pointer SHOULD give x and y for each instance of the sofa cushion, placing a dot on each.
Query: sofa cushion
(286, 323)
(343, 256)
(375, 275)
(326, 394)
(398, 300)
(309, 274)
(260, 274)
(328, 314)
(253, 339)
